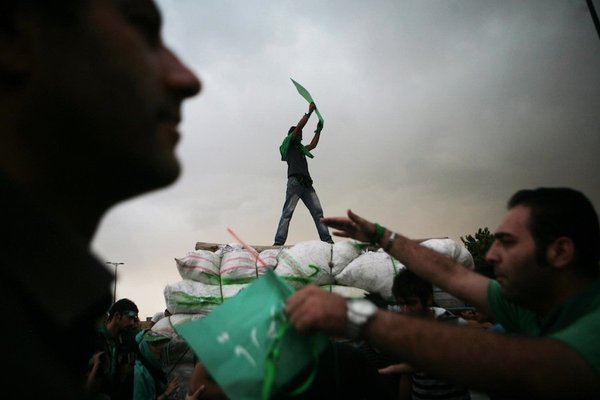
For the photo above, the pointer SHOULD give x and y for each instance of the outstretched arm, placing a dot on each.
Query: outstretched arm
(504, 364)
(429, 264)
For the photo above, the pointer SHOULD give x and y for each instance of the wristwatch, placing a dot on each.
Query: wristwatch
(358, 313)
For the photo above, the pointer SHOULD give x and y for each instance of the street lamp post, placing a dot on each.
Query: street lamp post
(115, 264)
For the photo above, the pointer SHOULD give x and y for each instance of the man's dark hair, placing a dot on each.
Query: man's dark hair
(408, 284)
(556, 212)
(377, 299)
(121, 306)
(59, 10)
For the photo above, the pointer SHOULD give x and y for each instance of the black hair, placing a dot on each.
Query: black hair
(556, 212)
(63, 11)
(121, 306)
(377, 299)
(408, 284)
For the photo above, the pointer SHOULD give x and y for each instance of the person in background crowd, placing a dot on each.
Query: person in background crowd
(150, 380)
(90, 103)
(546, 295)
(414, 295)
(118, 349)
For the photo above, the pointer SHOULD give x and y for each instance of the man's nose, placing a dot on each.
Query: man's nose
(177, 76)
(492, 254)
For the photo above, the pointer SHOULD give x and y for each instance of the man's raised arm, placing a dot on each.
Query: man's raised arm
(302, 123)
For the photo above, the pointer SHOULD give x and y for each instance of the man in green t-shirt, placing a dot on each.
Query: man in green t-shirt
(299, 183)
(546, 295)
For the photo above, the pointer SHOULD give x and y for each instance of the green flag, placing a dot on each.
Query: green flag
(247, 344)
(304, 93)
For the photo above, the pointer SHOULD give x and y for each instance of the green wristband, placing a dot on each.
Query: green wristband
(377, 234)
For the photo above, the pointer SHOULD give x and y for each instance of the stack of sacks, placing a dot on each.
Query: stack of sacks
(210, 278)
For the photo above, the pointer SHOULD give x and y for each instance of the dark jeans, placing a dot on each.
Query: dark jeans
(294, 192)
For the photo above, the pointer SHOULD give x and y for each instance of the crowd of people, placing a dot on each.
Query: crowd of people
(80, 75)
(545, 295)
(127, 362)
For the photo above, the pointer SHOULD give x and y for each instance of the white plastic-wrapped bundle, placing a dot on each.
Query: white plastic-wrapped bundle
(306, 262)
(456, 252)
(451, 249)
(271, 257)
(372, 271)
(201, 266)
(231, 290)
(166, 325)
(343, 253)
(348, 292)
(191, 297)
(238, 266)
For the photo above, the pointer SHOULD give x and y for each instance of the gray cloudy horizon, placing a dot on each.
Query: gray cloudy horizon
(435, 113)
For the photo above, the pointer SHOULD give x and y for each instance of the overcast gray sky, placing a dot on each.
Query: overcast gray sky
(435, 113)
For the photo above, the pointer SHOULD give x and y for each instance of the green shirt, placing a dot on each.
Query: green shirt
(576, 322)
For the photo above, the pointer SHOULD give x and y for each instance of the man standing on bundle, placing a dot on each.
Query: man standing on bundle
(299, 184)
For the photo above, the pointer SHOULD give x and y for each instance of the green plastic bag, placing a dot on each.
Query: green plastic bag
(247, 344)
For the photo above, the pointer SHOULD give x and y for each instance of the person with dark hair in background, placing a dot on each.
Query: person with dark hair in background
(546, 295)
(414, 295)
(119, 349)
(90, 102)
(299, 182)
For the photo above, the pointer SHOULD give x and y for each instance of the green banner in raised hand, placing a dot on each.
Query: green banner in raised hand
(304, 93)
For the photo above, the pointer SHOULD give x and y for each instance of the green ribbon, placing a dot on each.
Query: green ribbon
(185, 299)
(272, 357)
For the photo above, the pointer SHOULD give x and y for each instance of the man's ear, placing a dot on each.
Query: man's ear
(16, 34)
(561, 252)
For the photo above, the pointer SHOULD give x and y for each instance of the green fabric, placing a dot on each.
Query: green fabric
(304, 93)
(576, 322)
(247, 344)
(285, 146)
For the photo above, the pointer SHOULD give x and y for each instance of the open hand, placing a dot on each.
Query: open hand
(353, 227)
